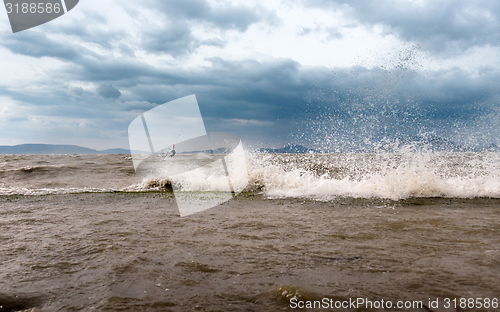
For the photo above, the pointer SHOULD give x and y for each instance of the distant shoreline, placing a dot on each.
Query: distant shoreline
(53, 149)
(415, 144)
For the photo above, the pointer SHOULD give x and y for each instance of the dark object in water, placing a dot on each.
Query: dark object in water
(17, 303)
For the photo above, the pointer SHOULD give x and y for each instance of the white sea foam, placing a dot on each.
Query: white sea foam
(391, 176)
(48, 191)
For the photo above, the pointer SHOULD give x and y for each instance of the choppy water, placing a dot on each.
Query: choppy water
(319, 176)
(399, 226)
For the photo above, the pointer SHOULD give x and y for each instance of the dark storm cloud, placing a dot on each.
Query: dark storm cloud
(450, 26)
(349, 104)
(243, 89)
(108, 91)
(280, 88)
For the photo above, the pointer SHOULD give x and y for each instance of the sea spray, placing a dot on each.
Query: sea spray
(384, 175)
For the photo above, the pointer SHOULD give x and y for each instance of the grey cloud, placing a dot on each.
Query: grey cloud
(105, 39)
(108, 91)
(78, 91)
(175, 40)
(91, 28)
(95, 69)
(448, 25)
(225, 16)
(39, 45)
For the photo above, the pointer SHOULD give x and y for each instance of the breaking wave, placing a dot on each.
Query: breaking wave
(389, 176)
(392, 176)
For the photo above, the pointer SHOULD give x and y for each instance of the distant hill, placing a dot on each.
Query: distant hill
(56, 149)
(288, 149)
(415, 143)
(115, 151)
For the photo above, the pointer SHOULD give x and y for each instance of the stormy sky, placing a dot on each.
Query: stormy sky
(322, 73)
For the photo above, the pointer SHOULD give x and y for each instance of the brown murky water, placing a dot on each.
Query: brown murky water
(132, 252)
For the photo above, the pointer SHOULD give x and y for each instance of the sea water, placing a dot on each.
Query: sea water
(317, 176)
(86, 233)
